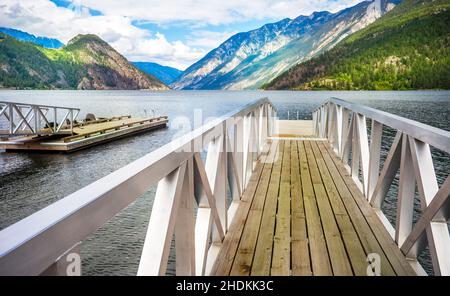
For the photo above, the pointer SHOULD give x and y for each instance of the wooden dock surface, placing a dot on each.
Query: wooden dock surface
(294, 128)
(85, 134)
(304, 215)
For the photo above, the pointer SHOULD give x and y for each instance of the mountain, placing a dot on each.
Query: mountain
(249, 60)
(86, 62)
(408, 48)
(24, 36)
(164, 73)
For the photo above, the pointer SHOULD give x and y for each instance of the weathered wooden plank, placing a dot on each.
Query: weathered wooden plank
(300, 260)
(230, 244)
(303, 215)
(281, 264)
(365, 234)
(393, 253)
(355, 250)
(263, 253)
(319, 254)
(336, 250)
(294, 128)
(244, 256)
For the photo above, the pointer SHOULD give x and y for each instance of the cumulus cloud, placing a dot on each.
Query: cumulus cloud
(208, 39)
(116, 21)
(44, 18)
(158, 49)
(214, 11)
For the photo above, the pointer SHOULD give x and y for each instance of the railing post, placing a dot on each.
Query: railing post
(314, 122)
(248, 147)
(254, 142)
(261, 128)
(346, 125)
(155, 251)
(223, 179)
(406, 190)
(265, 124)
(330, 123)
(374, 158)
(323, 121)
(363, 146)
(185, 226)
(257, 120)
(232, 169)
(339, 124)
(55, 115)
(11, 118)
(71, 121)
(273, 117)
(355, 150)
(239, 150)
(215, 168)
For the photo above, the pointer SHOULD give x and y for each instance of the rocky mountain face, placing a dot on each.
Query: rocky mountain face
(106, 68)
(251, 59)
(87, 62)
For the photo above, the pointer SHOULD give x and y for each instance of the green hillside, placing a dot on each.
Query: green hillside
(25, 65)
(87, 62)
(408, 48)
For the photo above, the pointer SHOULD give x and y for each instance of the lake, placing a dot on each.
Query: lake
(31, 181)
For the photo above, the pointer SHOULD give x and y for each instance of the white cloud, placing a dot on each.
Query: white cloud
(208, 39)
(158, 49)
(44, 18)
(115, 25)
(214, 11)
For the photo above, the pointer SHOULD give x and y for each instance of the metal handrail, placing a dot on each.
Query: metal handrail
(39, 105)
(434, 136)
(30, 118)
(344, 125)
(32, 245)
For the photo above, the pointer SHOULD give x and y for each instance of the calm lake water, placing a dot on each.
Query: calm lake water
(29, 182)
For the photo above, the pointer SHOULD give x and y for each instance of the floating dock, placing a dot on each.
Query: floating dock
(33, 130)
(85, 134)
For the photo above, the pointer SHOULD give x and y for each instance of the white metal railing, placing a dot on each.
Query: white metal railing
(344, 125)
(30, 119)
(190, 200)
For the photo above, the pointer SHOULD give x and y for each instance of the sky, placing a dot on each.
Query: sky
(174, 33)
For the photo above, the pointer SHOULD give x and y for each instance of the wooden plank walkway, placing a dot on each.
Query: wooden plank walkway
(302, 214)
(294, 128)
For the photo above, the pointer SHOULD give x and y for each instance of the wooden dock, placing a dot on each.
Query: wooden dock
(302, 214)
(304, 198)
(83, 135)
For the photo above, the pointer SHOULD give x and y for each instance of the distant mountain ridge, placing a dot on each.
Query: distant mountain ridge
(24, 36)
(164, 73)
(86, 62)
(249, 60)
(408, 48)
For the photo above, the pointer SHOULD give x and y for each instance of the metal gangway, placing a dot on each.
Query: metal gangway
(19, 119)
(261, 204)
